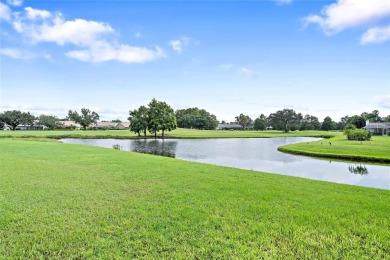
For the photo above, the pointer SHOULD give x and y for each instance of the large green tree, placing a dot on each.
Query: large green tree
(15, 117)
(358, 121)
(310, 122)
(328, 124)
(196, 118)
(260, 123)
(243, 120)
(51, 122)
(85, 118)
(283, 119)
(160, 117)
(373, 117)
(139, 120)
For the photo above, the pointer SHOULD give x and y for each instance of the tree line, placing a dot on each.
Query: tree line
(159, 116)
(288, 120)
(16, 118)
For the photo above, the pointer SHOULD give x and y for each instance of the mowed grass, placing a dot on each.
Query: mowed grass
(377, 150)
(62, 201)
(178, 133)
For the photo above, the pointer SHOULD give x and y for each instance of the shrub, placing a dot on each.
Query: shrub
(357, 134)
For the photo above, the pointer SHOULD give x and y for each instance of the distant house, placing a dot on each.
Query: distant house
(229, 127)
(269, 128)
(126, 125)
(6, 127)
(378, 128)
(30, 127)
(69, 124)
(111, 125)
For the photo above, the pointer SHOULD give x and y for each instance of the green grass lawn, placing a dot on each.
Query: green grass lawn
(73, 201)
(178, 133)
(378, 149)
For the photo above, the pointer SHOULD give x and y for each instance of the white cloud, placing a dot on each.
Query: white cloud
(23, 54)
(283, 2)
(176, 46)
(101, 52)
(382, 101)
(349, 13)
(5, 12)
(34, 14)
(180, 44)
(376, 35)
(54, 28)
(247, 72)
(97, 39)
(10, 52)
(15, 2)
(138, 35)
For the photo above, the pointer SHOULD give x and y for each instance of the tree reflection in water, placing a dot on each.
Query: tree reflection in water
(358, 169)
(156, 147)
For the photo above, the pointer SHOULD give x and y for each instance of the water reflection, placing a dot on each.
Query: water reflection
(259, 154)
(358, 169)
(156, 147)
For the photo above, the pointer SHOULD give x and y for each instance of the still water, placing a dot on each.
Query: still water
(259, 154)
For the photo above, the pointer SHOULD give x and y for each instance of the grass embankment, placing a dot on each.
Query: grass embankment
(178, 133)
(74, 201)
(376, 150)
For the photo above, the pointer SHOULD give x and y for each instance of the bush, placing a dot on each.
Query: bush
(357, 134)
(377, 134)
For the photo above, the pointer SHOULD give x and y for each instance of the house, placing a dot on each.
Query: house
(126, 125)
(111, 125)
(229, 127)
(69, 124)
(30, 127)
(378, 128)
(5, 127)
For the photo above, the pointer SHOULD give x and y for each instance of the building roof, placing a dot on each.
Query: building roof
(106, 124)
(112, 124)
(69, 123)
(384, 124)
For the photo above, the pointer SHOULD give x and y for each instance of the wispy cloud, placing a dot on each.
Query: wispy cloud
(376, 35)
(102, 51)
(179, 44)
(5, 12)
(346, 14)
(97, 40)
(283, 2)
(247, 72)
(15, 2)
(138, 35)
(11, 52)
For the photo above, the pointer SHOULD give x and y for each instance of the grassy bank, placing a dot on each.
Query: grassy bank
(74, 201)
(178, 133)
(376, 150)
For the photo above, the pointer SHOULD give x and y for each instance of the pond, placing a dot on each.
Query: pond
(259, 154)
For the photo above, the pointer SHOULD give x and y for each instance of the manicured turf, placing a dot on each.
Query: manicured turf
(73, 201)
(178, 133)
(376, 150)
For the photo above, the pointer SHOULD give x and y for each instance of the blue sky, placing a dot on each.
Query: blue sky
(325, 58)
